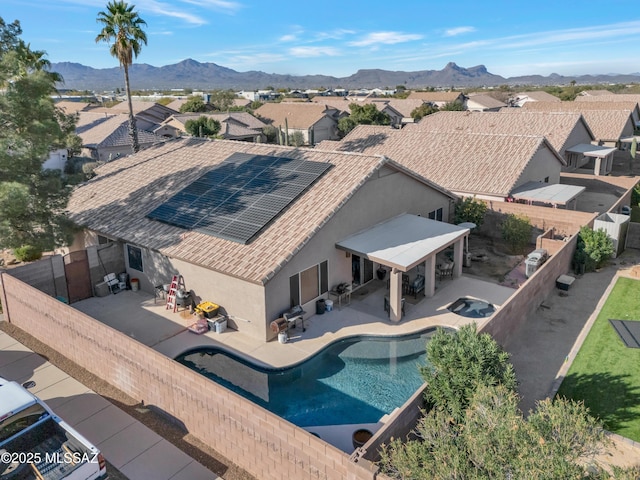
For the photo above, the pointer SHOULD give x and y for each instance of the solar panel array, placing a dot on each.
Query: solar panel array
(240, 196)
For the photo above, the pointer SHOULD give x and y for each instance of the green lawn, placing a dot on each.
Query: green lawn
(605, 373)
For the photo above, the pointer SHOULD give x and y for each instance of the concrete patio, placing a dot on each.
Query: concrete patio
(141, 316)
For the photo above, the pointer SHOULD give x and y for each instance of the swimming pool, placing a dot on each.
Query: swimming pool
(354, 380)
(472, 308)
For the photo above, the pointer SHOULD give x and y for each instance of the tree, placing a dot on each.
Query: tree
(122, 29)
(516, 231)
(223, 100)
(193, 104)
(423, 110)
(598, 246)
(362, 115)
(458, 363)
(475, 430)
(297, 139)
(469, 209)
(202, 127)
(452, 107)
(32, 200)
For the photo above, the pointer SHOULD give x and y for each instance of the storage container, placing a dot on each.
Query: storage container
(208, 309)
(329, 305)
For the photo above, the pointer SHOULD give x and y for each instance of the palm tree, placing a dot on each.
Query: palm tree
(122, 26)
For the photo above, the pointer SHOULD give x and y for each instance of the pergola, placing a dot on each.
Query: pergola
(403, 242)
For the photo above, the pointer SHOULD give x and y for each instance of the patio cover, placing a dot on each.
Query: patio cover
(403, 241)
(554, 193)
(589, 150)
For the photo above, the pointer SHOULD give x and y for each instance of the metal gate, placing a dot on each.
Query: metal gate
(76, 271)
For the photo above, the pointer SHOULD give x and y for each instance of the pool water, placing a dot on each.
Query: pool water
(472, 308)
(354, 380)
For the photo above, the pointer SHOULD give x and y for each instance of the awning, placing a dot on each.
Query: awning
(589, 150)
(403, 241)
(554, 193)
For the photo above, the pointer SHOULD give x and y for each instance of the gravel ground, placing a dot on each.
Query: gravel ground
(156, 422)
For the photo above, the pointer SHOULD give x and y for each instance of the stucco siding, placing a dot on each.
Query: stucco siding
(368, 207)
(544, 164)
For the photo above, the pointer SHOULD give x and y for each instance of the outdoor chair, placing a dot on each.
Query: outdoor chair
(417, 286)
(446, 270)
(112, 282)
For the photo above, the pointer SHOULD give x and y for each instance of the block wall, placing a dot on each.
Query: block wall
(260, 442)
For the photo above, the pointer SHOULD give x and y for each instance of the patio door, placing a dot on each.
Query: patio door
(361, 270)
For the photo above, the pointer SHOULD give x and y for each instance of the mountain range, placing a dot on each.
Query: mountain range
(209, 76)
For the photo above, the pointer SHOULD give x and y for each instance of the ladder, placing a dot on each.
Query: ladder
(177, 283)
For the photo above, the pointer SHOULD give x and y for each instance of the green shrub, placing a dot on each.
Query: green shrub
(598, 246)
(516, 231)
(27, 253)
(470, 210)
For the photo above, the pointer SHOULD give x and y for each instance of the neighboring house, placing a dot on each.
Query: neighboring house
(483, 103)
(148, 114)
(177, 103)
(615, 100)
(106, 137)
(70, 107)
(262, 232)
(487, 166)
(567, 132)
(594, 93)
(406, 106)
(536, 96)
(57, 160)
(439, 99)
(233, 126)
(610, 123)
(316, 122)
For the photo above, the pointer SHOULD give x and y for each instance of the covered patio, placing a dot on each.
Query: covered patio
(406, 242)
(603, 156)
(554, 194)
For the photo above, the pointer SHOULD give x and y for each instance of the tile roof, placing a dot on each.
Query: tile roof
(538, 96)
(609, 97)
(405, 105)
(606, 125)
(435, 96)
(486, 101)
(556, 127)
(98, 130)
(242, 118)
(150, 111)
(298, 115)
(69, 107)
(489, 164)
(115, 203)
(594, 93)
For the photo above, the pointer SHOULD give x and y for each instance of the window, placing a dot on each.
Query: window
(436, 215)
(309, 284)
(103, 240)
(546, 179)
(135, 258)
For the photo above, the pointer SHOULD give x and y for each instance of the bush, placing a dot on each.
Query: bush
(27, 253)
(470, 210)
(598, 246)
(516, 231)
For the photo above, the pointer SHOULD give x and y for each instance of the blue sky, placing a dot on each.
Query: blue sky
(337, 38)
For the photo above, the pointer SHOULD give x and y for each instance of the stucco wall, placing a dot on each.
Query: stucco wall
(544, 164)
(368, 207)
(258, 441)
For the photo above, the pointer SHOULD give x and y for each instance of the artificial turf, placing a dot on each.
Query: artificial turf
(605, 373)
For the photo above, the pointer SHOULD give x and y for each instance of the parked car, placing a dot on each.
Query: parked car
(37, 444)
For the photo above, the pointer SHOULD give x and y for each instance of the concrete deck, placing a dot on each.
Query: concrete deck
(132, 448)
(137, 315)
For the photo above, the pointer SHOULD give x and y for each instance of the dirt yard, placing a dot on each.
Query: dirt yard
(489, 260)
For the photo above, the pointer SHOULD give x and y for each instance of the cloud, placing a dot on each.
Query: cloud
(224, 5)
(387, 38)
(452, 32)
(288, 38)
(307, 52)
(334, 34)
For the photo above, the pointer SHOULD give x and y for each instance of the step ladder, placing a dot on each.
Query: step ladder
(177, 283)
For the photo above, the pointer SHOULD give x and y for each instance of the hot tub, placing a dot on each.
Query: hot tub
(472, 308)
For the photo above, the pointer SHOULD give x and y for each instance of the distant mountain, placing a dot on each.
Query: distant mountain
(208, 76)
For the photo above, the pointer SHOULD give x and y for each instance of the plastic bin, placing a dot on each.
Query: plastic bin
(135, 284)
(329, 305)
(208, 309)
(321, 306)
(220, 325)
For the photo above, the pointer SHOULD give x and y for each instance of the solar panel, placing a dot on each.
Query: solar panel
(238, 198)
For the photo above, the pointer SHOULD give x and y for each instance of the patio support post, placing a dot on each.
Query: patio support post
(598, 166)
(458, 252)
(395, 295)
(430, 276)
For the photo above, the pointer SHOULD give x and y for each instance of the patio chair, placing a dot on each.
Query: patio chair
(112, 282)
(446, 270)
(417, 286)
